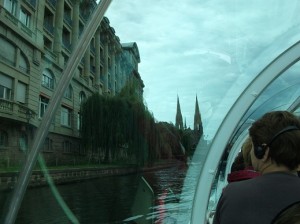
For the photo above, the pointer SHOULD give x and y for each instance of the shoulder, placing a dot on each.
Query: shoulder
(240, 185)
(238, 190)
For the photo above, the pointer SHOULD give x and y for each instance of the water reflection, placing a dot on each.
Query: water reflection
(167, 184)
(105, 200)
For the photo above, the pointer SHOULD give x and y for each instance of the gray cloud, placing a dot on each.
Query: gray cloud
(198, 47)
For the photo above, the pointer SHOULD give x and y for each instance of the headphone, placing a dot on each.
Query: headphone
(259, 151)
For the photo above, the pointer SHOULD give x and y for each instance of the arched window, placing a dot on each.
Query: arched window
(82, 97)
(3, 138)
(48, 79)
(23, 64)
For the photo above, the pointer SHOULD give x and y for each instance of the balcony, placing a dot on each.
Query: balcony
(6, 106)
(25, 112)
(16, 111)
(15, 21)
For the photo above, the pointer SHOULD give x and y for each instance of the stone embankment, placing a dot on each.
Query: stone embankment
(38, 178)
(65, 176)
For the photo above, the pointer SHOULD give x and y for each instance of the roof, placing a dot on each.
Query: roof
(134, 48)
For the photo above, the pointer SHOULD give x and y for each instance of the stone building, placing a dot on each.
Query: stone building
(36, 40)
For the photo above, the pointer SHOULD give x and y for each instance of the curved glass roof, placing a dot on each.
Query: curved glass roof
(240, 59)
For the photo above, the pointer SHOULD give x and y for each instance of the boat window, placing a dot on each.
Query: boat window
(282, 94)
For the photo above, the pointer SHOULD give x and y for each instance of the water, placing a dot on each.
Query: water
(103, 200)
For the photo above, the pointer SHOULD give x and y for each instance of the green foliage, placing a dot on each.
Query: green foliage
(120, 125)
(129, 91)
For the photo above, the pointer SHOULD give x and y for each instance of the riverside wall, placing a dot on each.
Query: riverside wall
(38, 178)
(70, 175)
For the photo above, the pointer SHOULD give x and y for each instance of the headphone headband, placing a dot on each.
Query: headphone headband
(287, 129)
(259, 151)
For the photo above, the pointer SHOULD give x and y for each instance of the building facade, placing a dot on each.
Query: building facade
(36, 40)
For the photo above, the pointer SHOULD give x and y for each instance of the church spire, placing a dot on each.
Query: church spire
(179, 122)
(197, 117)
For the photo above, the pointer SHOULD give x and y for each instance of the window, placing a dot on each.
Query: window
(66, 38)
(66, 116)
(82, 97)
(82, 150)
(78, 121)
(23, 63)
(67, 14)
(8, 52)
(5, 87)
(91, 83)
(21, 92)
(3, 138)
(48, 145)
(47, 43)
(48, 80)
(5, 93)
(25, 17)
(11, 6)
(69, 92)
(23, 142)
(109, 62)
(48, 21)
(43, 106)
(67, 146)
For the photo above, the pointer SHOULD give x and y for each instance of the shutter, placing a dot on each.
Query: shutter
(6, 81)
(21, 92)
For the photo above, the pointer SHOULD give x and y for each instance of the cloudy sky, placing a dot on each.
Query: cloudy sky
(198, 47)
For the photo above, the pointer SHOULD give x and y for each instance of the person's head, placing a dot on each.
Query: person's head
(276, 136)
(238, 164)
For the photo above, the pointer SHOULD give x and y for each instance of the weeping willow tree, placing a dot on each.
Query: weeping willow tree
(112, 124)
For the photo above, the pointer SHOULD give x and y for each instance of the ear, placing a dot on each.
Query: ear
(266, 155)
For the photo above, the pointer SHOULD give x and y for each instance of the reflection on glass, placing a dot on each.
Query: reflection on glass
(281, 94)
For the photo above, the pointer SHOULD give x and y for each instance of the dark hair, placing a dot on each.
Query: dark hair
(238, 163)
(285, 149)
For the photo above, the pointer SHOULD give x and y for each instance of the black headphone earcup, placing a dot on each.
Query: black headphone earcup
(259, 151)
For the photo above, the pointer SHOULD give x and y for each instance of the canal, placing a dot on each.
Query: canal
(103, 200)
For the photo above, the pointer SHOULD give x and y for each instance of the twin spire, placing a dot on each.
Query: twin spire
(179, 122)
(197, 117)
